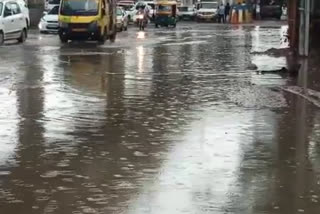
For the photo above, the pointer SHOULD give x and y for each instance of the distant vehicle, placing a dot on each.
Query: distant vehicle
(122, 19)
(207, 11)
(49, 22)
(186, 13)
(49, 4)
(25, 11)
(12, 22)
(166, 14)
(88, 20)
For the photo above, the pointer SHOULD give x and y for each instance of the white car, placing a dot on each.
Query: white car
(186, 13)
(207, 11)
(25, 11)
(122, 19)
(12, 22)
(49, 23)
(49, 4)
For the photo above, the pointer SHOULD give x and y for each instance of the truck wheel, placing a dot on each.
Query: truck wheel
(1, 38)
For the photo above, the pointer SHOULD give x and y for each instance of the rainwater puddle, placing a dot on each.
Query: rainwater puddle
(154, 128)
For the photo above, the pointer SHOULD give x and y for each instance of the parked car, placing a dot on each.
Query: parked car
(49, 4)
(186, 13)
(12, 22)
(25, 11)
(122, 19)
(49, 23)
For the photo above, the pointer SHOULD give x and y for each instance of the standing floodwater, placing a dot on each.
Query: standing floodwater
(165, 121)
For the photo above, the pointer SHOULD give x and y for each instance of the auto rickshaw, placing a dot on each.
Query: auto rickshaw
(165, 13)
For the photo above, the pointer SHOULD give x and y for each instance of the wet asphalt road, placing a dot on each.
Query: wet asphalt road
(171, 121)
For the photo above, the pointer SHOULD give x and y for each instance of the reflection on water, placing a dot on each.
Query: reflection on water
(154, 128)
(140, 59)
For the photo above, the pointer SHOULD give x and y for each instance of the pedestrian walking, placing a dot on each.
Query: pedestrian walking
(221, 13)
(227, 12)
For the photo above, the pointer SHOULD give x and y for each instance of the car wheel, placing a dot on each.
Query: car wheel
(23, 36)
(1, 38)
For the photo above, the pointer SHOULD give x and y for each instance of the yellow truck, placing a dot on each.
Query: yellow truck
(87, 20)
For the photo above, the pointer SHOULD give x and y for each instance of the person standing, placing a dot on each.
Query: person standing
(227, 12)
(221, 11)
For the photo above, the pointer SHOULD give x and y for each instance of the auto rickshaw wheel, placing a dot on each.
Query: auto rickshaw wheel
(157, 26)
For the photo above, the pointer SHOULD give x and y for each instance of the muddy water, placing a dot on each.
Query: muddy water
(170, 121)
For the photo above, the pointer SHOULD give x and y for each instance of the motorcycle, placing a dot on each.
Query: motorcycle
(141, 21)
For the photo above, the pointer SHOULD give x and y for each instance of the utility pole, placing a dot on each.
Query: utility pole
(304, 27)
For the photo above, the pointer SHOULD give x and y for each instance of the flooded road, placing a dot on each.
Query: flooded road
(169, 121)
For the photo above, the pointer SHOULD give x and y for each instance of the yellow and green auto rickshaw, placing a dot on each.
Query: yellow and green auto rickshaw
(165, 13)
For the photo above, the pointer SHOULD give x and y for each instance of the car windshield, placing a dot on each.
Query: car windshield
(164, 8)
(54, 11)
(54, 1)
(183, 9)
(80, 7)
(0, 8)
(213, 5)
(119, 12)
